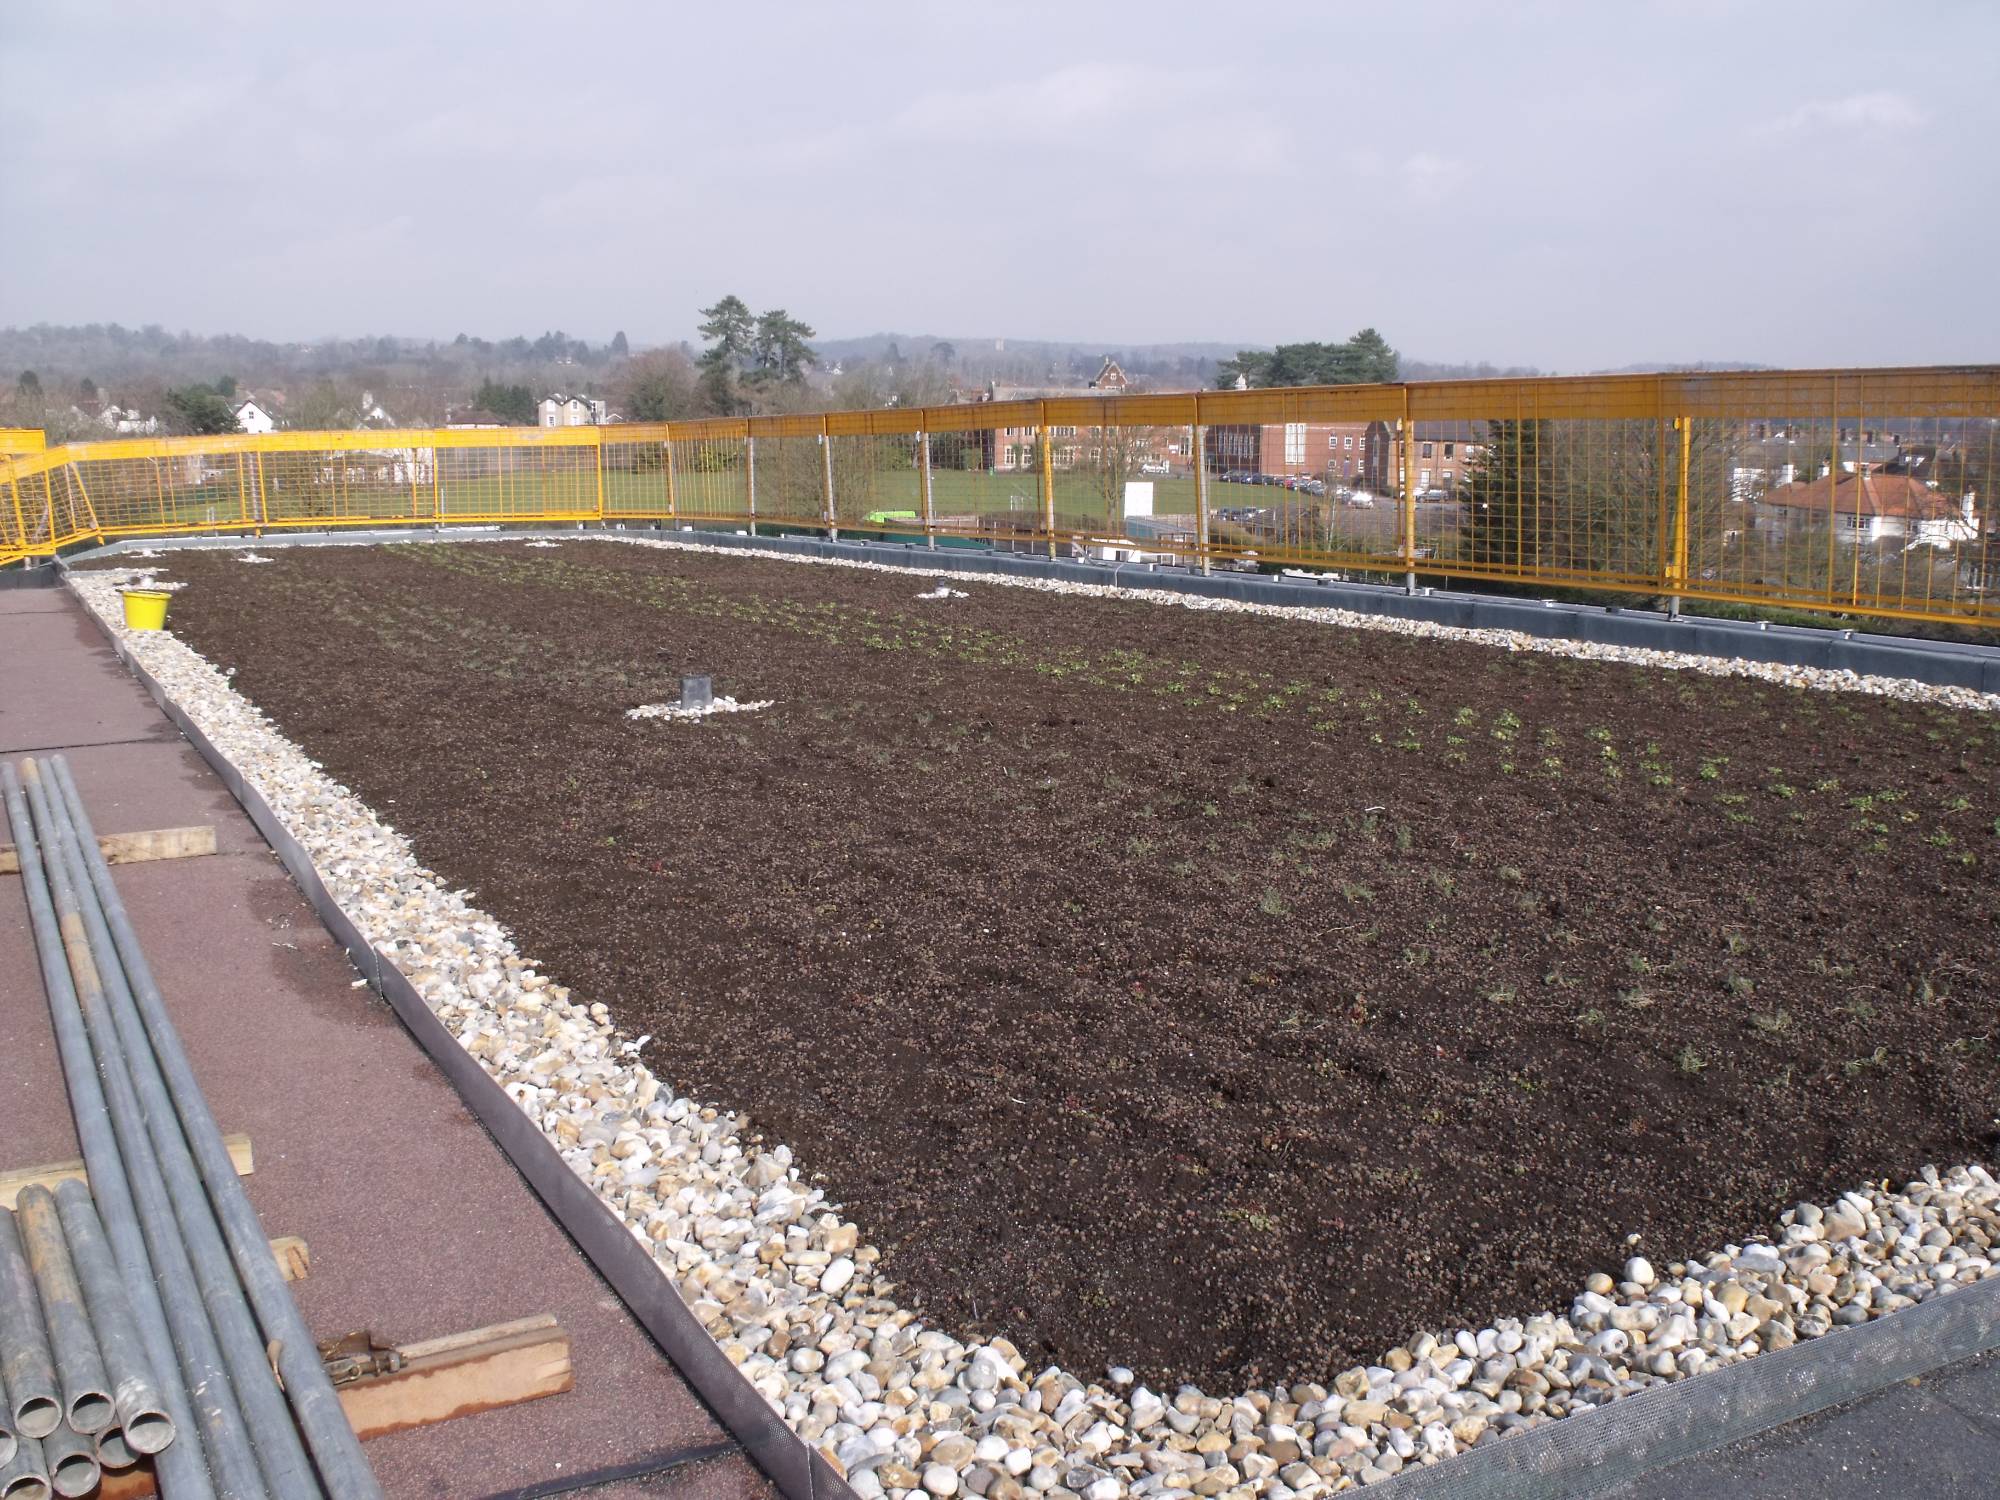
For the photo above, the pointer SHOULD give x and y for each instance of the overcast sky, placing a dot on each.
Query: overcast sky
(1572, 186)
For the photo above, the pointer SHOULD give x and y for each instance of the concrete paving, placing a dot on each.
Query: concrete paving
(416, 1224)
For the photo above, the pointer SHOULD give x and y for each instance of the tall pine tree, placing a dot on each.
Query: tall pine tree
(1507, 526)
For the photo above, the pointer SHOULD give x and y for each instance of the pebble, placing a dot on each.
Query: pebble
(788, 1288)
(717, 705)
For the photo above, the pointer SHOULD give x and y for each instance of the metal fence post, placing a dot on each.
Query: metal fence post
(1833, 486)
(1677, 566)
(1048, 476)
(437, 496)
(673, 489)
(750, 475)
(1200, 446)
(1406, 433)
(924, 489)
(597, 447)
(826, 478)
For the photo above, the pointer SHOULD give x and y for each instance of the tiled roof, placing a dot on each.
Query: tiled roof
(1867, 495)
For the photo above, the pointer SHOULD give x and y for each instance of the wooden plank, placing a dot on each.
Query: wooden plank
(441, 1378)
(465, 1373)
(135, 848)
(12, 1182)
(294, 1259)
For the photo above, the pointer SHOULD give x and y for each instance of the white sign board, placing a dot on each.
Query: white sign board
(1138, 497)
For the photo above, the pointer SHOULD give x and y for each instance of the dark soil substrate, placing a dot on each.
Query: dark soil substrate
(1225, 996)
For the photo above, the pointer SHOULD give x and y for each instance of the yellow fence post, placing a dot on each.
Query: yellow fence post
(437, 485)
(924, 488)
(1200, 446)
(597, 447)
(1048, 475)
(263, 501)
(750, 473)
(673, 496)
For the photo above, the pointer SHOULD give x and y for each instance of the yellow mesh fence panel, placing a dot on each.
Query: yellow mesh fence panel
(712, 479)
(1867, 491)
(634, 460)
(791, 478)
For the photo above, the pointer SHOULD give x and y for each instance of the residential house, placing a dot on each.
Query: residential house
(474, 417)
(558, 410)
(1871, 506)
(121, 421)
(252, 417)
(1110, 380)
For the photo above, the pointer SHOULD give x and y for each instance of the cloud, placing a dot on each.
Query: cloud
(1877, 110)
(1166, 118)
(1422, 177)
(1050, 109)
(1429, 178)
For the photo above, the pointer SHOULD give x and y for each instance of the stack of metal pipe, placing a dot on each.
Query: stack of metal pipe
(79, 1395)
(235, 1372)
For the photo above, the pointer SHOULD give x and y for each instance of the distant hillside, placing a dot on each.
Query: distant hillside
(1186, 364)
(1697, 367)
(982, 357)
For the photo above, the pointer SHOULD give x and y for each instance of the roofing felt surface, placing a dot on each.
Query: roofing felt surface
(417, 1225)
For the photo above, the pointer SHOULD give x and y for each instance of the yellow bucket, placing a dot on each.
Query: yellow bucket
(146, 609)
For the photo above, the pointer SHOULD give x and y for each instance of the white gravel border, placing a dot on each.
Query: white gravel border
(1823, 678)
(788, 1289)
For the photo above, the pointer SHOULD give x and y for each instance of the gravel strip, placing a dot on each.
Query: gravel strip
(787, 1287)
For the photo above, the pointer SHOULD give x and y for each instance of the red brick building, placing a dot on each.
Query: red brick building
(1335, 451)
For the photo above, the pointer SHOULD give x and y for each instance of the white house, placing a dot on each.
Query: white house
(1868, 508)
(558, 410)
(125, 421)
(251, 417)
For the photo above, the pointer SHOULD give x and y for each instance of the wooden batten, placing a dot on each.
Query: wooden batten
(443, 1378)
(135, 848)
(11, 1182)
